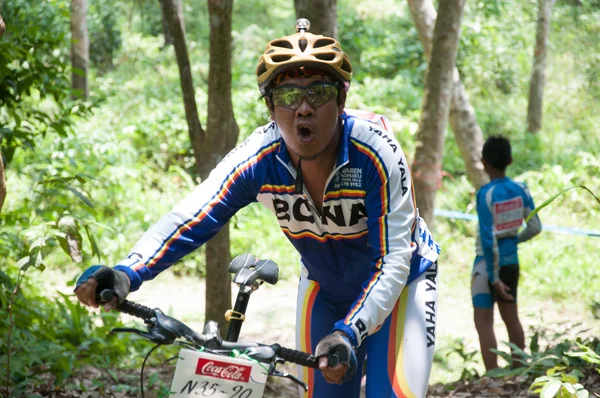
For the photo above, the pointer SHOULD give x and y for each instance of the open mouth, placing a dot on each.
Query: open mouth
(305, 134)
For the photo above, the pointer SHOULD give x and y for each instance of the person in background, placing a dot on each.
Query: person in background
(502, 207)
(341, 190)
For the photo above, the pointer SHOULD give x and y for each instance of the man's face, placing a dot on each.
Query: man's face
(311, 128)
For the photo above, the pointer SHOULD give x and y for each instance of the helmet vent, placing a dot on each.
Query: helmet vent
(261, 69)
(282, 44)
(346, 66)
(325, 57)
(322, 43)
(280, 58)
(302, 44)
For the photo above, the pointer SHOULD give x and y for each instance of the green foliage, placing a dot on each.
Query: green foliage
(150, 17)
(468, 357)
(492, 59)
(381, 45)
(55, 336)
(104, 33)
(34, 83)
(559, 384)
(57, 213)
(556, 369)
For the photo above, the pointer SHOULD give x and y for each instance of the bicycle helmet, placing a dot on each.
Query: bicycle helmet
(303, 49)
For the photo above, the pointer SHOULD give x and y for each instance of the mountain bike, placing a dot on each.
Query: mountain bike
(209, 366)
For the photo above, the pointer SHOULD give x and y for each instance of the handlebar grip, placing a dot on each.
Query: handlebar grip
(298, 357)
(135, 309)
(127, 307)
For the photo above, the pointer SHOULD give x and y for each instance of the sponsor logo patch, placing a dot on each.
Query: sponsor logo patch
(223, 370)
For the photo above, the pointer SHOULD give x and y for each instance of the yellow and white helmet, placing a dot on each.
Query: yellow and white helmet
(303, 49)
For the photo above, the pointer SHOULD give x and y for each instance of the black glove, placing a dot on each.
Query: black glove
(108, 278)
(338, 345)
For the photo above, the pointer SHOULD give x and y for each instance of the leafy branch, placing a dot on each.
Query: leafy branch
(66, 230)
(548, 201)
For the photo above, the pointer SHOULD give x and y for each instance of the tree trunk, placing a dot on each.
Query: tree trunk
(427, 167)
(171, 12)
(165, 23)
(462, 115)
(322, 15)
(80, 49)
(2, 178)
(166, 32)
(538, 73)
(222, 135)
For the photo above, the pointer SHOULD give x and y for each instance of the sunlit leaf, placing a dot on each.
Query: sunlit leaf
(568, 387)
(23, 262)
(550, 389)
(555, 369)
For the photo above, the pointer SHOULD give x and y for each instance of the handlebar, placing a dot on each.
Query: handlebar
(163, 329)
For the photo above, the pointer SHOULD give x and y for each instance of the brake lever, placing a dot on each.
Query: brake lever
(156, 333)
(131, 330)
(277, 373)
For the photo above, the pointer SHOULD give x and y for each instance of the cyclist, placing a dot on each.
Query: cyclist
(502, 206)
(341, 190)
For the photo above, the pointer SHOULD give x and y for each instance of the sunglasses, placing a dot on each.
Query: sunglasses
(317, 94)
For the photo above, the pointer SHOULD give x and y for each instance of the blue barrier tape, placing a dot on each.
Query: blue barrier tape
(545, 227)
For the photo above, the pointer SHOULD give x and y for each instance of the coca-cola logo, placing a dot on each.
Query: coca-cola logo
(223, 370)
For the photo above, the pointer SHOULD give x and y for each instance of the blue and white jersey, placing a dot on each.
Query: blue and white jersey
(502, 206)
(364, 246)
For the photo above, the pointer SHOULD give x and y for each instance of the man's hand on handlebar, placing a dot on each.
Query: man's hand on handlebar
(97, 278)
(336, 346)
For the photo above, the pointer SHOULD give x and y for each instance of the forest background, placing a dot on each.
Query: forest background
(87, 177)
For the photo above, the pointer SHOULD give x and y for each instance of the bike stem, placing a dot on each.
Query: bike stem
(238, 315)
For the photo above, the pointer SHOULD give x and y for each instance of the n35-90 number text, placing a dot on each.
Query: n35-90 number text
(206, 389)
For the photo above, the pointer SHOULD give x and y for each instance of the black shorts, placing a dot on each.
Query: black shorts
(509, 275)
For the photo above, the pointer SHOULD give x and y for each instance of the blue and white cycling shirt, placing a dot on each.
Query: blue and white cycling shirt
(364, 247)
(502, 206)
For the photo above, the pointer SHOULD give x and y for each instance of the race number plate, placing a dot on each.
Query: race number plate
(509, 216)
(200, 374)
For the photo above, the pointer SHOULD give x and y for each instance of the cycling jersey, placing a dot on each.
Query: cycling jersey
(365, 245)
(502, 206)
